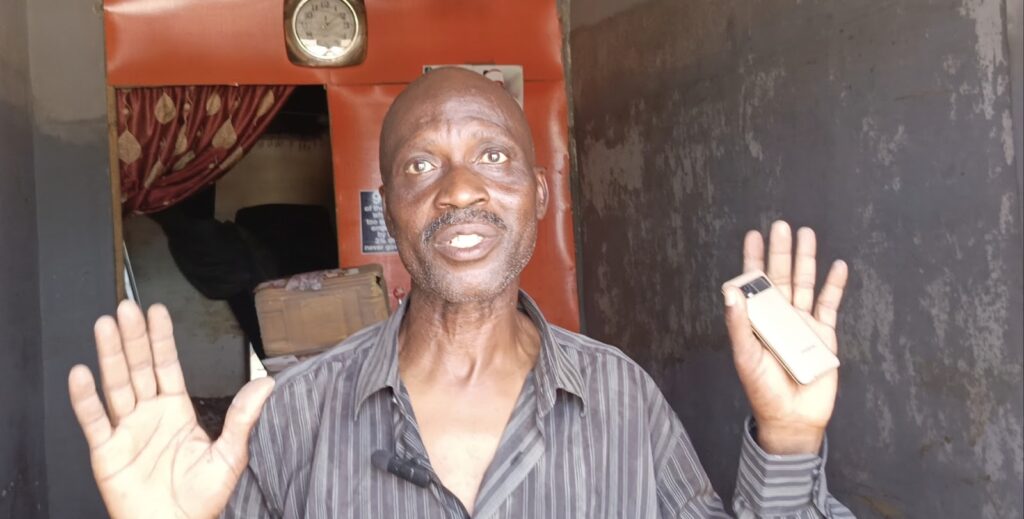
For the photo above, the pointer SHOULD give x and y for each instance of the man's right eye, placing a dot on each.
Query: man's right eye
(419, 167)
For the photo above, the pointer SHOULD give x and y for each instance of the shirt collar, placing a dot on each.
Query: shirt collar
(555, 368)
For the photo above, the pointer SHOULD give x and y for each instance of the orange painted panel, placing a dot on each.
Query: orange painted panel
(182, 42)
(551, 275)
(357, 112)
(199, 42)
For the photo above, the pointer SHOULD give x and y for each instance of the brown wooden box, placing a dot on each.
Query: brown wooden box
(311, 312)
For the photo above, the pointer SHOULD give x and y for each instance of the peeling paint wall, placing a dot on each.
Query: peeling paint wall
(22, 467)
(888, 126)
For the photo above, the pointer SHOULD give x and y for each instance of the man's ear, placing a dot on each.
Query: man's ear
(542, 191)
(384, 206)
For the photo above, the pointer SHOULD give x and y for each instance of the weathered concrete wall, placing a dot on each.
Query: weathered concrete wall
(73, 207)
(1015, 36)
(886, 125)
(22, 467)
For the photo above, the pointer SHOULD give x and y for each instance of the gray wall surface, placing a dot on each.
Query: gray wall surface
(887, 125)
(1015, 36)
(73, 208)
(22, 467)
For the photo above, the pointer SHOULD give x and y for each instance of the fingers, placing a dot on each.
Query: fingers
(135, 340)
(746, 349)
(87, 406)
(831, 296)
(169, 377)
(753, 252)
(804, 269)
(780, 258)
(245, 409)
(117, 387)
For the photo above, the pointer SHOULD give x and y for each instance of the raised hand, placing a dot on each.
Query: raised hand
(791, 418)
(149, 455)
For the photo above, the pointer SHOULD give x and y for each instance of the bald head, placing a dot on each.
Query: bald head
(438, 100)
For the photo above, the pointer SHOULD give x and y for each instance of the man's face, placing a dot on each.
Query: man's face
(462, 196)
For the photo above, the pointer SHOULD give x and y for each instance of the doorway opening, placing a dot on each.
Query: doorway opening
(270, 216)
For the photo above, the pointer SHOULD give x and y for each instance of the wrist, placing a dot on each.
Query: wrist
(789, 439)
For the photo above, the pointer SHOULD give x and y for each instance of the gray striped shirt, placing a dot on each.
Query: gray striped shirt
(591, 436)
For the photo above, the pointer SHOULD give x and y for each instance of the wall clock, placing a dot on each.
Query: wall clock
(325, 33)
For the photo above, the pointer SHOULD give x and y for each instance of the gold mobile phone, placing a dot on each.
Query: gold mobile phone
(781, 329)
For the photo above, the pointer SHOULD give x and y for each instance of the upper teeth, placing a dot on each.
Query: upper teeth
(465, 241)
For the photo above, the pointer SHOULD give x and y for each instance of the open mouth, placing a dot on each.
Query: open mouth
(466, 242)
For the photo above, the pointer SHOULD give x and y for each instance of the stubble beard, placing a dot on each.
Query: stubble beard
(431, 275)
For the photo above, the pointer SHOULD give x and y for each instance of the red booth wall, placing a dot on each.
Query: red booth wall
(182, 42)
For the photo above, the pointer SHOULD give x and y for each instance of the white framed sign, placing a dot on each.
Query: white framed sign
(509, 76)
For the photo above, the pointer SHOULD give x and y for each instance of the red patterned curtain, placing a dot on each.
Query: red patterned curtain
(173, 141)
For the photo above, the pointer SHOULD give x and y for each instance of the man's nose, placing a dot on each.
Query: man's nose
(461, 188)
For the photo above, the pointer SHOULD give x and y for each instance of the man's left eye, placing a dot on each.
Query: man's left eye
(494, 157)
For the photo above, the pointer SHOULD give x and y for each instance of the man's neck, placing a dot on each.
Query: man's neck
(466, 344)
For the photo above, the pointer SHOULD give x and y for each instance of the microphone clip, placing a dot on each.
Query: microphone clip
(408, 470)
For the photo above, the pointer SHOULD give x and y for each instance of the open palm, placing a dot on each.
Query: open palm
(791, 417)
(149, 455)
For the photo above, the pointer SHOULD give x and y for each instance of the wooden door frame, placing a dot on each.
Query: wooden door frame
(115, 193)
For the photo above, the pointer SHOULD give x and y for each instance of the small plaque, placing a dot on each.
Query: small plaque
(375, 237)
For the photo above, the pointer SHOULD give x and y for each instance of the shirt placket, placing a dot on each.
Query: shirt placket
(518, 453)
(409, 446)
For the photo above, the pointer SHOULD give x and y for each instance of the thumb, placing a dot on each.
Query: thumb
(746, 350)
(245, 409)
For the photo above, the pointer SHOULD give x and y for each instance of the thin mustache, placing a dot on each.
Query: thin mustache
(460, 216)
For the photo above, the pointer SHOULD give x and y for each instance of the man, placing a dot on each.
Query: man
(465, 402)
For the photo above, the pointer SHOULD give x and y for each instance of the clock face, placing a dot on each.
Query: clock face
(325, 29)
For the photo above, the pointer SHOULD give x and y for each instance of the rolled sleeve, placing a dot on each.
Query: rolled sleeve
(770, 485)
